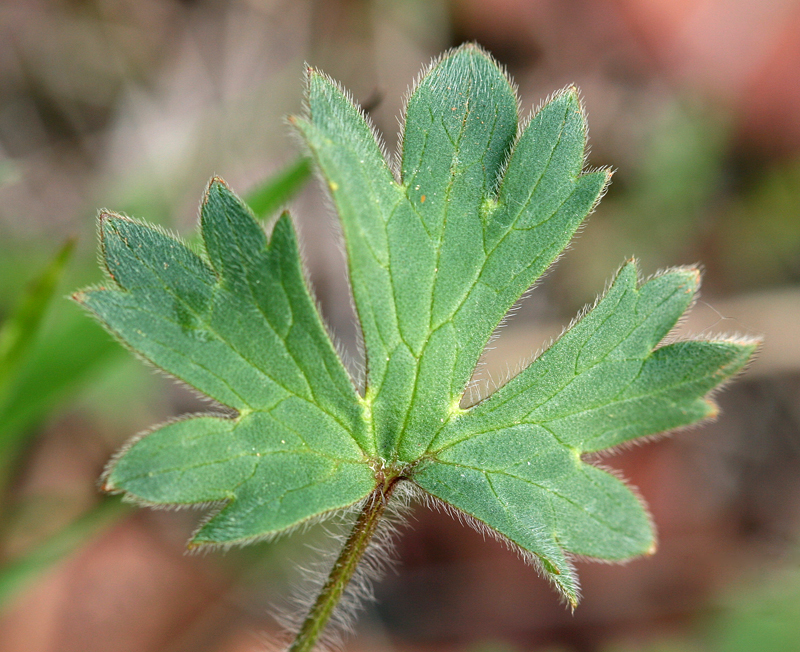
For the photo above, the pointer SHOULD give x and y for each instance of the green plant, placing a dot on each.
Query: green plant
(41, 365)
(438, 252)
(18, 337)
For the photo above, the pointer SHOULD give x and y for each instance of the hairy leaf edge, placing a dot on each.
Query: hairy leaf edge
(212, 507)
(670, 338)
(199, 250)
(396, 161)
(79, 297)
(218, 410)
(352, 367)
(471, 395)
(528, 557)
(394, 164)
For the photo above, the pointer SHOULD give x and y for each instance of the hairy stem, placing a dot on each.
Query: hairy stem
(342, 572)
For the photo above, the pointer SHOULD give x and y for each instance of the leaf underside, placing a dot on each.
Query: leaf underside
(480, 208)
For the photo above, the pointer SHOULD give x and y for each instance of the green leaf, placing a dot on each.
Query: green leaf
(438, 250)
(438, 259)
(39, 368)
(20, 329)
(243, 329)
(269, 196)
(600, 385)
(63, 359)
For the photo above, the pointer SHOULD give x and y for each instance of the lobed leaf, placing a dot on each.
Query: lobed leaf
(437, 259)
(479, 208)
(601, 384)
(243, 329)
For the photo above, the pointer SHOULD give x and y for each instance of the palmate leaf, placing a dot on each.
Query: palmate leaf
(480, 210)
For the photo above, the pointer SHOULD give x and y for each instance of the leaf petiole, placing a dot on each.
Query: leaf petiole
(345, 566)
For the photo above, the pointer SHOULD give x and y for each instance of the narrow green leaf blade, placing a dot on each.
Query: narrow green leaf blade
(20, 329)
(37, 370)
(62, 361)
(273, 193)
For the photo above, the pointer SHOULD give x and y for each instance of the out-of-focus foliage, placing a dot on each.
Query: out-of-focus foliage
(761, 615)
(19, 330)
(760, 244)
(277, 190)
(30, 381)
(765, 616)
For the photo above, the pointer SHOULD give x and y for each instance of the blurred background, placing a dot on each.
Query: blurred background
(133, 104)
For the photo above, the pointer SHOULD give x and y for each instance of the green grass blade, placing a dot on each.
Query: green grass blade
(20, 330)
(268, 197)
(60, 363)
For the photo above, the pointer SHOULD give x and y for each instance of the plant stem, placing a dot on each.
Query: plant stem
(342, 572)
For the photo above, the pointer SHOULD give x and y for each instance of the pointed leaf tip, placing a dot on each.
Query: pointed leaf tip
(103, 218)
(111, 216)
(216, 181)
(573, 92)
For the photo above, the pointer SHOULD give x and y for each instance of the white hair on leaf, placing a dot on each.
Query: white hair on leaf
(379, 557)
